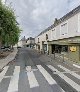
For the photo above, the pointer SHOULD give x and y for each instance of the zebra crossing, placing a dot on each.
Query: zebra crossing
(31, 77)
(33, 82)
(68, 80)
(13, 86)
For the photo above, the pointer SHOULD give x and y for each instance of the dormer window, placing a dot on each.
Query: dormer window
(46, 36)
(53, 30)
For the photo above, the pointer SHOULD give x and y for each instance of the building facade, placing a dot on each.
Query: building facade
(63, 36)
(30, 42)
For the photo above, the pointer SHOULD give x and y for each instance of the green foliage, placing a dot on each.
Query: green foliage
(9, 29)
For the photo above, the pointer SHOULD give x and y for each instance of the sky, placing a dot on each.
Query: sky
(34, 16)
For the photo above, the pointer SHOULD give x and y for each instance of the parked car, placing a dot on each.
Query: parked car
(5, 48)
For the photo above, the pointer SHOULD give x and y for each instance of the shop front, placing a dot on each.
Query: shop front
(69, 47)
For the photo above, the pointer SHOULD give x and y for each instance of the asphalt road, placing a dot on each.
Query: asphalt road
(33, 72)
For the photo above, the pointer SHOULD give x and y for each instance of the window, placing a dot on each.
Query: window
(46, 36)
(38, 40)
(65, 48)
(53, 30)
(64, 29)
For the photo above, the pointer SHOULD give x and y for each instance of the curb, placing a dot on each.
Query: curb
(8, 59)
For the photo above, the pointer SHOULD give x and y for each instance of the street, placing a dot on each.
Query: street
(35, 72)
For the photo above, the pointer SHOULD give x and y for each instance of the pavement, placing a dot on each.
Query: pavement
(10, 57)
(59, 57)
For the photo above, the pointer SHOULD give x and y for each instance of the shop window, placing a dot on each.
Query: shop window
(58, 48)
(64, 48)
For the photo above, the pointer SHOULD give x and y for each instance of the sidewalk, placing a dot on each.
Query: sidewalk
(10, 57)
(60, 58)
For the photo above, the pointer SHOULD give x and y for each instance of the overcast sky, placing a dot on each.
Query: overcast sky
(36, 15)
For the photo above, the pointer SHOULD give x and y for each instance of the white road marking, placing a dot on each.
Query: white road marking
(68, 80)
(2, 74)
(13, 86)
(72, 73)
(47, 76)
(31, 78)
(8, 76)
(76, 65)
(28, 68)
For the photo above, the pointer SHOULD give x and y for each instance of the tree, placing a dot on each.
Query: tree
(9, 28)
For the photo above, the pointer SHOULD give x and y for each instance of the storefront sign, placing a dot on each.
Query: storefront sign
(73, 48)
(74, 40)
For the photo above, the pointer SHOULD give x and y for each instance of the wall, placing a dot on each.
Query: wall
(42, 38)
(30, 41)
(71, 29)
(20, 43)
(50, 49)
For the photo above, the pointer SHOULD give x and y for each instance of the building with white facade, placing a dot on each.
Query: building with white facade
(30, 42)
(63, 36)
(21, 43)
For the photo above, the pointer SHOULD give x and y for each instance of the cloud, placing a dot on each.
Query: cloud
(36, 15)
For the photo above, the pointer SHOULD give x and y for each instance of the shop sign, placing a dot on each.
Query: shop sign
(73, 48)
(74, 40)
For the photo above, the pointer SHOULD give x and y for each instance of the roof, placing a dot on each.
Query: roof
(23, 39)
(30, 38)
(64, 18)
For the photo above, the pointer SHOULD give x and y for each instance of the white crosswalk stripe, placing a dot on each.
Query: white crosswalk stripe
(2, 74)
(13, 86)
(47, 76)
(32, 81)
(68, 80)
(72, 73)
(31, 78)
